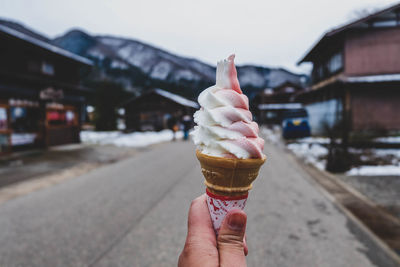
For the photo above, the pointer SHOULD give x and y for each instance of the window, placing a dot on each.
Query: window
(321, 72)
(4, 143)
(384, 23)
(271, 115)
(335, 63)
(19, 119)
(3, 119)
(71, 117)
(61, 116)
(328, 67)
(289, 90)
(47, 68)
(25, 119)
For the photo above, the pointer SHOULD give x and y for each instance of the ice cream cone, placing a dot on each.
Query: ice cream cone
(225, 127)
(228, 181)
(229, 176)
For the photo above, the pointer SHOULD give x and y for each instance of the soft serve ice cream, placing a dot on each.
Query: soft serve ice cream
(224, 122)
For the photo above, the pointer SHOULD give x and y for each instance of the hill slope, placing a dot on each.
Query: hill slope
(140, 65)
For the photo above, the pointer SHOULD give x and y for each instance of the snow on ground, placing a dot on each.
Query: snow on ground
(135, 139)
(384, 170)
(313, 150)
(387, 152)
(314, 154)
(389, 140)
(310, 149)
(271, 135)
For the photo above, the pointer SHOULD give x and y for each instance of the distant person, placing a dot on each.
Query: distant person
(187, 125)
(173, 126)
(203, 248)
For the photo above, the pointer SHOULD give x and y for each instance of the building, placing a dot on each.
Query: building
(41, 99)
(269, 105)
(355, 79)
(152, 110)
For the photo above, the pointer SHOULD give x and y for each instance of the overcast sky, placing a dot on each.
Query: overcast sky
(269, 33)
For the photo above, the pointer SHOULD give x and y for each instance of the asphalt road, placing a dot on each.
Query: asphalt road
(133, 213)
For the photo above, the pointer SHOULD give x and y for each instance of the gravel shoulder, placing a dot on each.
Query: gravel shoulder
(383, 190)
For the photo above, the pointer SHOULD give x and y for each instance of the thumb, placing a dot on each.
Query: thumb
(230, 239)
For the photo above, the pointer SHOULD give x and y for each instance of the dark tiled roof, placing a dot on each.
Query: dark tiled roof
(43, 44)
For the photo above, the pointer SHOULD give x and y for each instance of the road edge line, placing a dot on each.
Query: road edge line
(368, 235)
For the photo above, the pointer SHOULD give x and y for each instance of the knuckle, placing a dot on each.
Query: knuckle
(230, 240)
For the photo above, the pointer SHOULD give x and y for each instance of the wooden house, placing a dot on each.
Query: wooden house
(42, 100)
(152, 110)
(356, 76)
(269, 105)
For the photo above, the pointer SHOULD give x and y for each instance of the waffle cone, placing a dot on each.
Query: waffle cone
(229, 176)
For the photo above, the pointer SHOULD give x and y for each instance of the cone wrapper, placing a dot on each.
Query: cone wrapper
(219, 206)
(228, 181)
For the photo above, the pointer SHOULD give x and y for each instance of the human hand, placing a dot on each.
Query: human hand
(202, 248)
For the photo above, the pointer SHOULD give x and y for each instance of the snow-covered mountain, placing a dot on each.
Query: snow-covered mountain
(118, 55)
(136, 64)
(139, 66)
(156, 63)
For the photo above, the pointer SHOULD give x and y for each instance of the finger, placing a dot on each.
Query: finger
(199, 221)
(246, 248)
(201, 246)
(230, 239)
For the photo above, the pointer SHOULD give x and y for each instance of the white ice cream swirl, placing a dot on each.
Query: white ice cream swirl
(224, 122)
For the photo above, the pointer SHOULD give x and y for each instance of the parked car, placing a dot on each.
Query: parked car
(295, 124)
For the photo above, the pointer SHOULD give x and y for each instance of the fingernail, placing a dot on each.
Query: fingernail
(236, 221)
